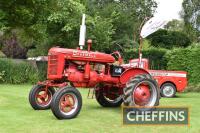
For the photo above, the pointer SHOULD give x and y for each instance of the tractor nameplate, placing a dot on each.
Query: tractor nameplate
(83, 54)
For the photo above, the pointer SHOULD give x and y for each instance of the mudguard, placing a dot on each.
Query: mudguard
(132, 72)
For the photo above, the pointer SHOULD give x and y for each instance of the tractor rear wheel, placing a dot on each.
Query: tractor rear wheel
(39, 98)
(105, 101)
(141, 90)
(66, 103)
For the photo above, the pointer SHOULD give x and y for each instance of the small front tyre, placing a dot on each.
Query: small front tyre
(66, 103)
(39, 98)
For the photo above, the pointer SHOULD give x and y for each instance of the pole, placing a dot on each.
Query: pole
(141, 42)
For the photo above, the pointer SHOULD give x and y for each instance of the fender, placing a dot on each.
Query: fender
(132, 72)
(179, 83)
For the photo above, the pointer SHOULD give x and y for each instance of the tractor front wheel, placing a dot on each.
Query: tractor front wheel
(141, 90)
(40, 98)
(105, 99)
(66, 103)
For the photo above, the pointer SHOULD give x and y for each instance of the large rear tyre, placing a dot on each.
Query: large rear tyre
(141, 90)
(39, 99)
(66, 103)
(105, 101)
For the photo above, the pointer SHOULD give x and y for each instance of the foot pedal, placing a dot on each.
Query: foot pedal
(91, 93)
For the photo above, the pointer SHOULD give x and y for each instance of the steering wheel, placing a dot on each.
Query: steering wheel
(117, 57)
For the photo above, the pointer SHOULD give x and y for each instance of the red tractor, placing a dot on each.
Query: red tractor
(113, 84)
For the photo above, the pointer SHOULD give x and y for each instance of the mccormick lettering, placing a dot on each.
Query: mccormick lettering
(83, 54)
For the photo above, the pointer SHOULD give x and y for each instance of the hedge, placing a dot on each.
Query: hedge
(14, 72)
(187, 60)
(155, 56)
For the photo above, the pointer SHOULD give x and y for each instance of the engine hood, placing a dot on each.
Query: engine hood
(82, 55)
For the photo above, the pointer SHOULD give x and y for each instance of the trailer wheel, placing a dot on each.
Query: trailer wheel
(66, 103)
(141, 90)
(105, 101)
(39, 99)
(168, 90)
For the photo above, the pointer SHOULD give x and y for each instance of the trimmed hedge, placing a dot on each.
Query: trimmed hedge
(187, 60)
(155, 56)
(14, 72)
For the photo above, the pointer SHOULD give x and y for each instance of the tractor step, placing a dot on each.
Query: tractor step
(91, 93)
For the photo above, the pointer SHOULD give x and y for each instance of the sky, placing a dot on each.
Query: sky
(169, 9)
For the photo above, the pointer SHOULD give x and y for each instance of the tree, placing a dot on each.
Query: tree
(125, 18)
(169, 39)
(21, 19)
(40, 24)
(191, 18)
(175, 25)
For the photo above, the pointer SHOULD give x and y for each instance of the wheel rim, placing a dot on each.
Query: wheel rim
(43, 98)
(68, 104)
(168, 91)
(117, 98)
(145, 94)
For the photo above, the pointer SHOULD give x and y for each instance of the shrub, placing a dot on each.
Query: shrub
(42, 70)
(187, 60)
(155, 56)
(1, 76)
(17, 72)
(193, 88)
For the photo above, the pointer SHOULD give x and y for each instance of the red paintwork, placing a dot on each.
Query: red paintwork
(178, 78)
(58, 69)
(78, 67)
(43, 98)
(57, 57)
(141, 95)
(67, 103)
(82, 55)
(131, 72)
(178, 81)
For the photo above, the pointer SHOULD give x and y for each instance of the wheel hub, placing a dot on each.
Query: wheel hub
(168, 91)
(68, 103)
(141, 95)
(43, 97)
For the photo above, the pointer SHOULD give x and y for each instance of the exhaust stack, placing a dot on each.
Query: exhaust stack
(82, 33)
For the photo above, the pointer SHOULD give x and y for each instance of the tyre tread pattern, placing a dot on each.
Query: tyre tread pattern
(131, 84)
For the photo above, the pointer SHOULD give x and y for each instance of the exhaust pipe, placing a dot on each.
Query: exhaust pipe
(82, 33)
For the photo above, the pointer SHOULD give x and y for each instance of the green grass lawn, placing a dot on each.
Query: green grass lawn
(16, 115)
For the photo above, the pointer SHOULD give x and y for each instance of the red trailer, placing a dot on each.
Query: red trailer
(169, 82)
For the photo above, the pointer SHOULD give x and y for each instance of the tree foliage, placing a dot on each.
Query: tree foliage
(175, 25)
(192, 18)
(169, 39)
(41, 24)
(125, 17)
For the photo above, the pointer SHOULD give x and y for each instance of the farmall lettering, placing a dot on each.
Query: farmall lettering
(84, 54)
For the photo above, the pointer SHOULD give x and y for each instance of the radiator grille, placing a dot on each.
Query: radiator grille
(53, 65)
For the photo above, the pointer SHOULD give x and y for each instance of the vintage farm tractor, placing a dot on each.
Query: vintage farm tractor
(113, 84)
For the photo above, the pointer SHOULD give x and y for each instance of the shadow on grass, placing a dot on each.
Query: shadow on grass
(98, 107)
